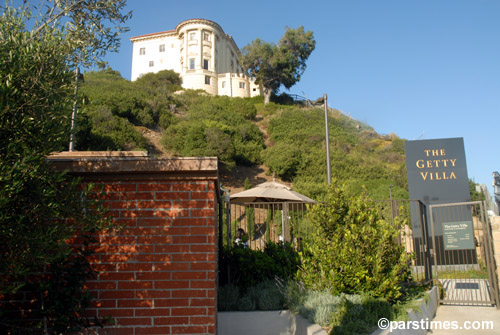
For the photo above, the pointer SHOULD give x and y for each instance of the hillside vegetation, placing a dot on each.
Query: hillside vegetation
(287, 138)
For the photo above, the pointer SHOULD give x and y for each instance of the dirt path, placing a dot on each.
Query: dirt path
(235, 180)
(263, 123)
(154, 138)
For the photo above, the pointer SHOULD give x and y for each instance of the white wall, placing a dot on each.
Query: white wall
(166, 60)
(200, 40)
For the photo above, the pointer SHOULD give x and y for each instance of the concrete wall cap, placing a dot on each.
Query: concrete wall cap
(129, 162)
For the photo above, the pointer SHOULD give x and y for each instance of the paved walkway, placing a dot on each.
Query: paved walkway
(486, 319)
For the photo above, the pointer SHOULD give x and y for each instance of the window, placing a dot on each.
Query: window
(191, 63)
(142, 51)
(162, 47)
(223, 84)
(151, 63)
(242, 84)
(192, 36)
(205, 64)
(207, 80)
(206, 36)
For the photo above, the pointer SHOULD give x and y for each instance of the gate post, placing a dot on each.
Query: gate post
(425, 243)
(228, 220)
(490, 255)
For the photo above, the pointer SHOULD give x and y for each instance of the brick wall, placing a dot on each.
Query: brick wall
(157, 275)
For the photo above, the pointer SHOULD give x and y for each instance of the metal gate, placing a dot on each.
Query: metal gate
(463, 257)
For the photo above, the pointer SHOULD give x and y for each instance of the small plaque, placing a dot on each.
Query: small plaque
(458, 235)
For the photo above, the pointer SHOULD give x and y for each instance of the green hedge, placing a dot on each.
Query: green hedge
(248, 268)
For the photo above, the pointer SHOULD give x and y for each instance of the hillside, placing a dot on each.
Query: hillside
(234, 179)
(251, 140)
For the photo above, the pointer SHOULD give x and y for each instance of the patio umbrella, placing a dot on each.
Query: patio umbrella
(280, 195)
(270, 192)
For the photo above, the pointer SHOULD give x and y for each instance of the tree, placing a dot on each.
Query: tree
(159, 89)
(40, 209)
(85, 31)
(275, 65)
(475, 194)
(89, 28)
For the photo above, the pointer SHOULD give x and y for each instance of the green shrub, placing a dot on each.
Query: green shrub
(110, 132)
(251, 284)
(344, 313)
(265, 296)
(359, 318)
(352, 250)
(227, 298)
(216, 126)
(115, 105)
(319, 307)
(268, 296)
(360, 158)
(285, 258)
(283, 159)
(107, 88)
(249, 267)
(166, 81)
(246, 303)
(165, 120)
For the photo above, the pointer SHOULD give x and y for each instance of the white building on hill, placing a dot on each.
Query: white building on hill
(205, 57)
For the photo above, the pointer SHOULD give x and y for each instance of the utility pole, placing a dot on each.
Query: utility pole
(327, 139)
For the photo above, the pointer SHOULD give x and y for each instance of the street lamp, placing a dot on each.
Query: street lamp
(327, 135)
(328, 163)
(72, 139)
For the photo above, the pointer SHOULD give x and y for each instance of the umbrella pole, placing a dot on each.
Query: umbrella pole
(272, 222)
(286, 222)
(270, 225)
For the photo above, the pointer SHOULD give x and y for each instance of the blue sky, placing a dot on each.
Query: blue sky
(421, 69)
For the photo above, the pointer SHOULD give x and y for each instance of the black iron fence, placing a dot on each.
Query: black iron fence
(255, 224)
(466, 273)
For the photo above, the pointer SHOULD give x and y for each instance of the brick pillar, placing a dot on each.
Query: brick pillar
(157, 275)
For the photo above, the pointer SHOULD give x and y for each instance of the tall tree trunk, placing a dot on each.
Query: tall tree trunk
(267, 95)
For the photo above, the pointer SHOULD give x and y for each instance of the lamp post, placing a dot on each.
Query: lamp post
(72, 138)
(327, 139)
